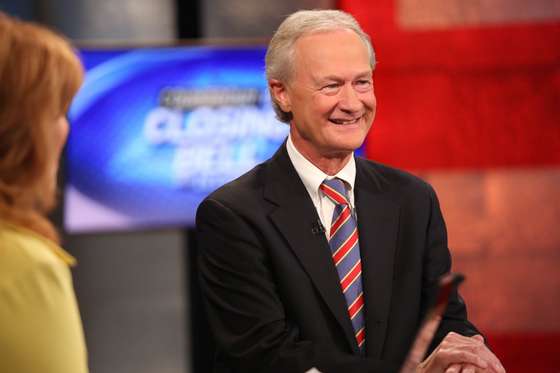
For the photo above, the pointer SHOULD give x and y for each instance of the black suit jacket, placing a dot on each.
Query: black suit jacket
(271, 290)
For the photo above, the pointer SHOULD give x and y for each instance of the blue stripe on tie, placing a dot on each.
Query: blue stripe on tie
(359, 320)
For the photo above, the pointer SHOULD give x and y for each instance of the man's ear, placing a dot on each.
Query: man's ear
(280, 94)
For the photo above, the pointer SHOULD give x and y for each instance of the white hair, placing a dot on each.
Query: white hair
(280, 53)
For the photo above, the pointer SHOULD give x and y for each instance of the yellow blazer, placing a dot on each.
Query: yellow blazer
(40, 325)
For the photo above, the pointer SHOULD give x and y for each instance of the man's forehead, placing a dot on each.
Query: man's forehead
(320, 43)
(331, 54)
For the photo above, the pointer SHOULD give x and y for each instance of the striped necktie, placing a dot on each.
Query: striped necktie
(345, 249)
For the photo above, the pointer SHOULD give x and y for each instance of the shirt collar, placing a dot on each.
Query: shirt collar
(312, 177)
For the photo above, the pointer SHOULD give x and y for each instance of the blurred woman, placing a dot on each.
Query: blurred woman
(40, 326)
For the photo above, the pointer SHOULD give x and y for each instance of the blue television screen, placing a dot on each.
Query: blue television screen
(154, 130)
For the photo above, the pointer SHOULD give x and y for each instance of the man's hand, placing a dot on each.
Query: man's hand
(457, 353)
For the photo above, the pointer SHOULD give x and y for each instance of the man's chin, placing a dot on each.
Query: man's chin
(350, 145)
(341, 150)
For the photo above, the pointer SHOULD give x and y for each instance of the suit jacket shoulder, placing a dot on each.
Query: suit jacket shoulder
(392, 180)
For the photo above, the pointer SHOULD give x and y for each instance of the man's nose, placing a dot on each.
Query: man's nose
(349, 99)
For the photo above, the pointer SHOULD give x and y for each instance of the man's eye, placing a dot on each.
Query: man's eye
(363, 85)
(331, 88)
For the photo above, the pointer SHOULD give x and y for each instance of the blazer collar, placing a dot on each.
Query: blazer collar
(296, 219)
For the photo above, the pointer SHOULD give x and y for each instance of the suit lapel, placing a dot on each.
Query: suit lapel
(378, 219)
(295, 216)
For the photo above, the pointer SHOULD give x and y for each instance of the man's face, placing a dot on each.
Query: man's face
(330, 94)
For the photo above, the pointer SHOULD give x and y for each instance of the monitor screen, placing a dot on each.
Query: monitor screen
(155, 130)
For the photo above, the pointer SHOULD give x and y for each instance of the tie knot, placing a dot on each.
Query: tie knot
(335, 190)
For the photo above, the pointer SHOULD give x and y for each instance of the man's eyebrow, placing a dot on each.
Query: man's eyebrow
(336, 78)
(328, 78)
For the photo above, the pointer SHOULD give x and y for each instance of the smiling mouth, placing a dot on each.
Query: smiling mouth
(343, 122)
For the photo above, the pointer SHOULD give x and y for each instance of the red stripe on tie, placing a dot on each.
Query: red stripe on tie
(340, 220)
(333, 194)
(356, 306)
(351, 276)
(361, 337)
(345, 248)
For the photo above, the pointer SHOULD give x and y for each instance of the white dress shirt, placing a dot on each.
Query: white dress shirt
(312, 177)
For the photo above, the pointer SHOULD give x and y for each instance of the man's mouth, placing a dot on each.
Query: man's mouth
(343, 122)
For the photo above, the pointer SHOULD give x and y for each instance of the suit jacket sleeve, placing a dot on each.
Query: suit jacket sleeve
(244, 310)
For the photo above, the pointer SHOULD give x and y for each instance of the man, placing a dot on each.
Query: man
(316, 258)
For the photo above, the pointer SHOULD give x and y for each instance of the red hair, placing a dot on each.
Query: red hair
(39, 75)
